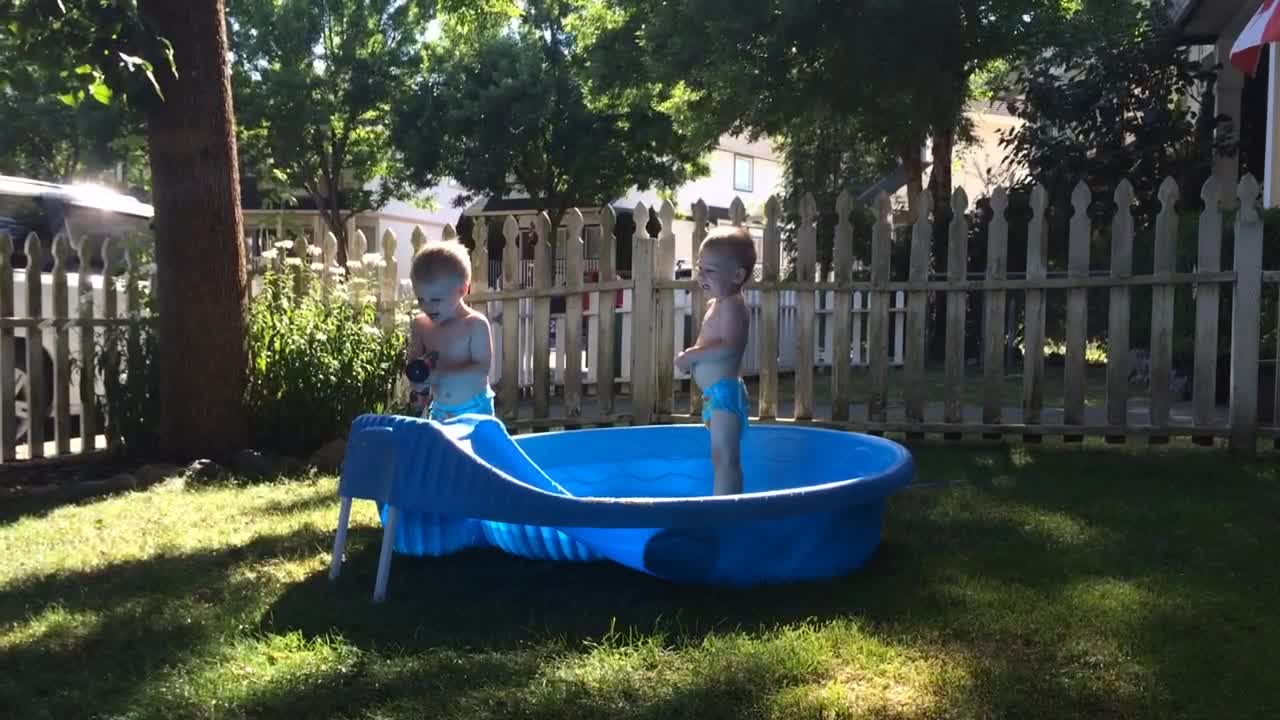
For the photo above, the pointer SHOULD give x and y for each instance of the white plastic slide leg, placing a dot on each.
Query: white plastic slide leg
(340, 541)
(384, 558)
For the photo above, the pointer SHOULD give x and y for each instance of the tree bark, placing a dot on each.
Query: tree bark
(913, 166)
(200, 257)
(943, 144)
(940, 189)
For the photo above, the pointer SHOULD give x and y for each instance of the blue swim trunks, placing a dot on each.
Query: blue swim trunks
(728, 395)
(481, 404)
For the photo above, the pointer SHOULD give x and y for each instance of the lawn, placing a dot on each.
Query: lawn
(1012, 582)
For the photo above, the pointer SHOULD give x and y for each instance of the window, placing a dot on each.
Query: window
(742, 173)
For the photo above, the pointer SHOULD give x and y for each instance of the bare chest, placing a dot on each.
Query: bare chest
(450, 341)
(712, 324)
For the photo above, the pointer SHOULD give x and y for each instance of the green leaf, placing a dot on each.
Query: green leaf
(84, 69)
(101, 92)
(69, 99)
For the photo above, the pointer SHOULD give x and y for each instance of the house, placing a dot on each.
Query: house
(1211, 27)
(738, 168)
(263, 224)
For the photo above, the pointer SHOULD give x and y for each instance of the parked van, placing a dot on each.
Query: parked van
(87, 213)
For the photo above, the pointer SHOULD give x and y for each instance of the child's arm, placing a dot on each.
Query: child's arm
(480, 347)
(415, 346)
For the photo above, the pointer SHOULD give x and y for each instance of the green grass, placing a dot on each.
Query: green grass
(1023, 582)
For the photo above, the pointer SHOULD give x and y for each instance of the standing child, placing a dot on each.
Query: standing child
(725, 261)
(453, 338)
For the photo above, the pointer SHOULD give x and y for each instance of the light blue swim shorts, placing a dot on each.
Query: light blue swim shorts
(481, 404)
(728, 395)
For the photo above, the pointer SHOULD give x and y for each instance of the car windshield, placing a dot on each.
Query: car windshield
(22, 215)
(96, 227)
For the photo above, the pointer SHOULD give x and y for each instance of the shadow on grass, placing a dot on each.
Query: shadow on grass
(1063, 584)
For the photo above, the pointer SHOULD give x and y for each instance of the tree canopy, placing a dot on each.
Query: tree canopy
(507, 105)
(169, 60)
(53, 132)
(314, 86)
(899, 72)
(1113, 96)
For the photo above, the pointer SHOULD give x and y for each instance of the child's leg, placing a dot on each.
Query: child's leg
(726, 452)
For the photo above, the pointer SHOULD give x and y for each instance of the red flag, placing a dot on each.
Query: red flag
(1263, 28)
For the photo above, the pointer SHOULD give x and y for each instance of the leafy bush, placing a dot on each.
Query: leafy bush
(129, 361)
(315, 365)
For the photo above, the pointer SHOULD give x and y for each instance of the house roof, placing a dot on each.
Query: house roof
(761, 147)
(890, 183)
(525, 206)
(1204, 21)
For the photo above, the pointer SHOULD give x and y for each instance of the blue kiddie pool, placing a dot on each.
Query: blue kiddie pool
(813, 503)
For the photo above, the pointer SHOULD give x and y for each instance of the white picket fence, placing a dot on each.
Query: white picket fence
(682, 335)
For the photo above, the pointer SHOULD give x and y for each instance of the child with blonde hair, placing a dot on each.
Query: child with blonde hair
(450, 336)
(726, 260)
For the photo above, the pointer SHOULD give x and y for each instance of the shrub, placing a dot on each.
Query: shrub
(316, 363)
(128, 359)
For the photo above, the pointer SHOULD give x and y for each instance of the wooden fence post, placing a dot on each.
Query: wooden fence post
(1208, 304)
(917, 308)
(479, 275)
(509, 399)
(842, 312)
(61, 345)
(390, 285)
(111, 258)
(1165, 263)
(357, 270)
(479, 256)
(994, 302)
(806, 258)
(36, 400)
(88, 348)
(606, 312)
(697, 303)
(418, 238)
(1033, 333)
(664, 321)
(572, 362)
(642, 265)
(1077, 307)
(770, 266)
(8, 418)
(329, 259)
(542, 282)
(957, 271)
(1118, 312)
(878, 317)
(1246, 320)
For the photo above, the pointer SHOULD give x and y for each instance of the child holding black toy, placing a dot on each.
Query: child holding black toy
(449, 337)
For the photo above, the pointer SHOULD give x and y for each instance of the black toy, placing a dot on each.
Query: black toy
(418, 371)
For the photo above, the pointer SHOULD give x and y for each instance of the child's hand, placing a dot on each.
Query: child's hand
(683, 362)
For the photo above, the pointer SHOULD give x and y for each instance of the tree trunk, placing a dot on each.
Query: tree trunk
(200, 279)
(913, 166)
(940, 189)
(943, 144)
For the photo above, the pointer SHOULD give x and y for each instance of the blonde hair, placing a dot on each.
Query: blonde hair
(438, 260)
(738, 243)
